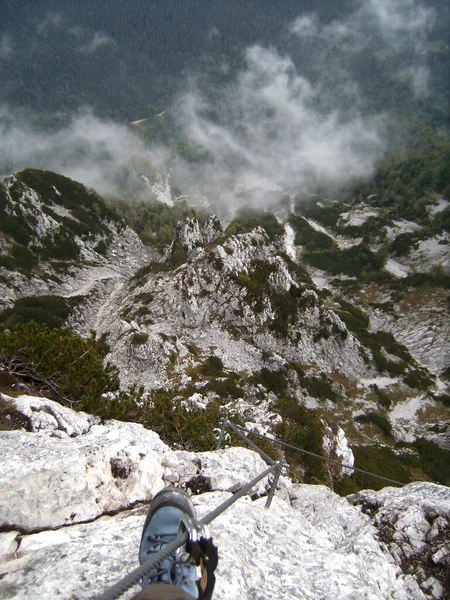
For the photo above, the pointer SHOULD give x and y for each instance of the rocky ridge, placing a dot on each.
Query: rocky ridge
(250, 299)
(76, 493)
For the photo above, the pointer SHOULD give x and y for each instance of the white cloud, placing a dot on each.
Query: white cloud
(99, 153)
(273, 130)
(98, 40)
(52, 20)
(271, 134)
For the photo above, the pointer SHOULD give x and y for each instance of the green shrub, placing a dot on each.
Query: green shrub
(145, 297)
(155, 223)
(138, 338)
(21, 259)
(319, 387)
(357, 261)
(52, 311)
(307, 236)
(226, 388)
(383, 398)
(444, 398)
(285, 306)
(86, 205)
(249, 219)
(435, 461)
(419, 379)
(376, 419)
(64, 366)
(101, 247)
(255, 282)
(383, 461)
(194, 349)
(424, 281)
(357, 322)
(403, 243)
(61, 246)
(184, 427)
(16, 225)
(212, 367)
(300, 427)
(273, 381)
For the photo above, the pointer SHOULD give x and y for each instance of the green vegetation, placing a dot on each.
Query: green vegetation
(256, 282)
(247, 220)
(87, 208)
(212, 367)
(423, 281)
(194, 349)
(383, 398)
(379, 343)
(380, 460)
(403, 181)
(155, 223)
(357, 261)
(13, 222)
(376, 419)
(137, 339)
(181, 425)
(85, 205)
(52, 311)
(301, 428)
(273, 381)
(310, 238)
(434, 461)
(21, 258)
(65, 367)
(60, 246)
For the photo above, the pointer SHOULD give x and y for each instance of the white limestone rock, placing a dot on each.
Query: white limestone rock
(283, 553)
(72, 468)
(45, 415)
(414, 523)
(224, 470)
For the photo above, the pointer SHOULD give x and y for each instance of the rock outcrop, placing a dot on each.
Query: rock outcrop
(59, 542)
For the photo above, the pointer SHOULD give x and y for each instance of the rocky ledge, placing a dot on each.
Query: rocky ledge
(75, 492)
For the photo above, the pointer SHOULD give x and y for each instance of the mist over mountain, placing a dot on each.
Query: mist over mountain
(243, 103)
(219, 210)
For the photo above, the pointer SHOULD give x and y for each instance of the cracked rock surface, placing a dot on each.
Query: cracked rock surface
(310, 544)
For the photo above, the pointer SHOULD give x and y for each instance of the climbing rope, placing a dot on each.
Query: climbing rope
(238, 429)
(153, 563)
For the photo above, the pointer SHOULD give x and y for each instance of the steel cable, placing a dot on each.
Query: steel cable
(150, 565)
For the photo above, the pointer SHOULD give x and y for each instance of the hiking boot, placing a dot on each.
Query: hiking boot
(160, 528)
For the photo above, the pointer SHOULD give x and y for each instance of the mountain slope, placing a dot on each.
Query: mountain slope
(295, 326)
